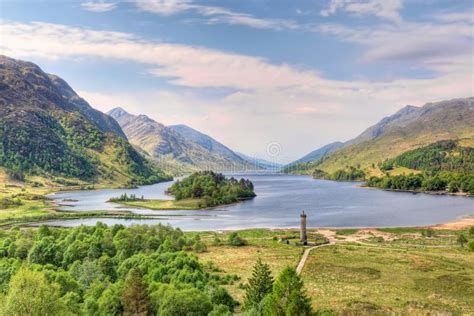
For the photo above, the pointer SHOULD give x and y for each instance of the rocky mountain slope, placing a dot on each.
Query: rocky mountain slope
(47, 130)
(318, 153)
(408, 129)
(177, 147)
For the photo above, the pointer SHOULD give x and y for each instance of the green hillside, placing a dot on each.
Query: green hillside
(441, 156)
(444, 165)
(46, 130)
(408, 129)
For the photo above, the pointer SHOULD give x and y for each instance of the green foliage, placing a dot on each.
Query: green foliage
(126, 198)
(444, 155)
(31, 294)
(214, 188)
(235, 240)
(103, 270)
(9, 202)
(470, 245)
(185, 302)
(471, 231)
(428, 233)
(423, 182)
(350, 174)
(461, 240)
(446, 166)
(259, 286)
(288, 296)
(135, 298)
(35, 141)
(66, 144)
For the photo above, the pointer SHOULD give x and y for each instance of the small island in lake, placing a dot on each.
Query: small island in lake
(200, 190)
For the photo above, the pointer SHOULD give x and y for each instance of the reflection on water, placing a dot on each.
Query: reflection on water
(280, 199)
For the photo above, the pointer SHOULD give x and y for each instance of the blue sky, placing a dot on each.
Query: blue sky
(252, 74)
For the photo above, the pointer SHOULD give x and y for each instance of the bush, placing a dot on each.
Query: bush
(470, 245)
(236, 240)
(471, 231)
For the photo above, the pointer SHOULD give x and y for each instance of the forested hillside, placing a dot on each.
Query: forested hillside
(444, 165)
(47, 130)
(408, 129)
(446, 155)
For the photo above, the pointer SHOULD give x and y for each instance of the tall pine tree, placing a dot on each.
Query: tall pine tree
(135, 299)
(260, 284)
(288, 296)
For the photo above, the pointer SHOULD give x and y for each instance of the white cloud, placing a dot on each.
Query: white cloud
(436, 46)
(98, 6)
(386, 9)
(185, 65)
(213, 14)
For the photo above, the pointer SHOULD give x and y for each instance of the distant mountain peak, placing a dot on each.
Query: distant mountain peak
(117, 112)
(179, 143)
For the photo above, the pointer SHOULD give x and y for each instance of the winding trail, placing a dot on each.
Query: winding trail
(300, 266)
(329, 235)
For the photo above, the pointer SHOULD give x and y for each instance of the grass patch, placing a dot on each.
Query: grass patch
(364, 280)
(346, 232)
(402, 171)
(186, 204)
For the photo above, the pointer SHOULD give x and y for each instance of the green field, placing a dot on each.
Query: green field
(365, 272)
(186, 204)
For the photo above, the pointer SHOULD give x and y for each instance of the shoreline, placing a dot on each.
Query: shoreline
(454, 225)
(442, 193)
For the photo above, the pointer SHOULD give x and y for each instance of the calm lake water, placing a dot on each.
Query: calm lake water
(280, 199)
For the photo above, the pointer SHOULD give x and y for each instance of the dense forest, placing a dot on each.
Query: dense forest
(213, 188)
(350, 174)
(442, 181)
(104, 270)
(445, 166)
(445, 155)
(140, 270)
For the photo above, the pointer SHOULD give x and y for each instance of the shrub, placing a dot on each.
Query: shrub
(470, 245)
(236, 240)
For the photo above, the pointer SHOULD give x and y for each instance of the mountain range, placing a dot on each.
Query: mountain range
(47, 130)
(409, 128)
(177, 147)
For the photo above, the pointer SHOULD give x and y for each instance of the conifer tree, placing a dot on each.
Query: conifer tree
(462, 240)
(260, 284)
(135, 299)
(288, 296)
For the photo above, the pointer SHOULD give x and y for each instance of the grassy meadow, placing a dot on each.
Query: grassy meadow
(186, 204)
(388, 271)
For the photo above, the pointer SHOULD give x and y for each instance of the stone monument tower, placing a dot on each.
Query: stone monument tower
(303, 236)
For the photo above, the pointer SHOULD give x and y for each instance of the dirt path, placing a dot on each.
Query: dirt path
(329, 234)
(300, 266)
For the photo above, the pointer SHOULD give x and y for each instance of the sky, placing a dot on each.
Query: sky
(274, 79)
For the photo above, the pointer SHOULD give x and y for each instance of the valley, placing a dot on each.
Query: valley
(220, 158)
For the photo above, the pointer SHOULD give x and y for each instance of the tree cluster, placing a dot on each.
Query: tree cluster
(468, 241)
(101, 270)
(213, 188)
(284, 296)
(445, 155)
(443, 181)
(126, 198)
(349, 174)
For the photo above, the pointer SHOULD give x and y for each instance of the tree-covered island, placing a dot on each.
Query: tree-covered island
(199, 190)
